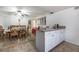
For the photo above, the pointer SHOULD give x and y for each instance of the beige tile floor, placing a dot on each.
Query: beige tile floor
(17, 45)
(28, 45)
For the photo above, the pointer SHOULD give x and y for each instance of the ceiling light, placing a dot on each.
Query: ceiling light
(25, 11)
(19, 13)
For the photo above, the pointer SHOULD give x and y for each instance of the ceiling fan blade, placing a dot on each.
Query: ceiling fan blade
(26, 14)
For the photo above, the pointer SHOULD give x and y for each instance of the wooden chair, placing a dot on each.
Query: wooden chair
(1, 32)
(22, 33)
(7, 34)
(17, 31)
(13, 33)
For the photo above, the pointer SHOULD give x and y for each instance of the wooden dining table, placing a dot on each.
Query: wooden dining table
(8, 33)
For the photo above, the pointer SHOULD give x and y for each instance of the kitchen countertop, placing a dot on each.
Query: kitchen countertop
(50, 29)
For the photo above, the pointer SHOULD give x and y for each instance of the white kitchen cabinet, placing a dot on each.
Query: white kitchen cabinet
(47, 40)
(53, 39)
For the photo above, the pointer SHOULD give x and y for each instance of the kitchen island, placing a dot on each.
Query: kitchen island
(49, 39)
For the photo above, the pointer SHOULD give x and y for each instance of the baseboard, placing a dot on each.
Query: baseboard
(72, 42)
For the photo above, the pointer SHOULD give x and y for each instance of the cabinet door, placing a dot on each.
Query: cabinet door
(61, 35)
(49, 36)
(50, 41)
(53, 39)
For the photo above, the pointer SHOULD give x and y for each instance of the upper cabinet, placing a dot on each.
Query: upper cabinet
(42, 21)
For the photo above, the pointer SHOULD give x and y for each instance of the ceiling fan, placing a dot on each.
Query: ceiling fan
(20, 13)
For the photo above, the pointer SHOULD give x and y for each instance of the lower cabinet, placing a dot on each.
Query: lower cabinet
(47, 40)
(53, 39)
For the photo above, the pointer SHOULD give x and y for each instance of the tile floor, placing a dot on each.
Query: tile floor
(66, 47)
(17, 45)
(28, 45)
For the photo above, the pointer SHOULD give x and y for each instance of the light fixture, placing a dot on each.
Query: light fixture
(22, 13)
(51, 12)
(19, 13)
(25, 11)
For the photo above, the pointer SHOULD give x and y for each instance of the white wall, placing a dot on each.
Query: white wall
(70, 19)
(9, 19)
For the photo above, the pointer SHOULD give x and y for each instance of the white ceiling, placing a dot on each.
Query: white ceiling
(55, 8)
(33, 10)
